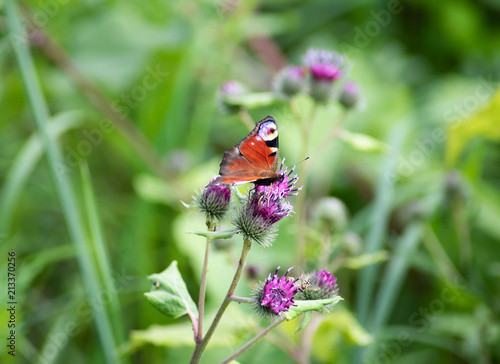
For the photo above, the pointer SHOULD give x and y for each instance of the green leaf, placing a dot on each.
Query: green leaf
(483, 124)
(363, 142)
(305, 321)
(172, 297)
(172, 335)
(234, 328)
(224, 234)
(253, 100)
(313, 305)
(363, 260)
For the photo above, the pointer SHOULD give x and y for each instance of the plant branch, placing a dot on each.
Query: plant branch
(303, 172)
(249, 344)
(201, 346)
(127, 128)
(203, 288)
(241, 299)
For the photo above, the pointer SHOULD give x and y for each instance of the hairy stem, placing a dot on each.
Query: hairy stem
(303, 172)
(201, 346)
(241, 299)
(249, 344)
(203, 287)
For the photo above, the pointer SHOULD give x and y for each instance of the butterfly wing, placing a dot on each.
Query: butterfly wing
(255, 158)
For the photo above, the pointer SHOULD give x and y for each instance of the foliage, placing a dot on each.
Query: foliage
(131, 89)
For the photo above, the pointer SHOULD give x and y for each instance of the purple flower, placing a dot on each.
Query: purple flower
(324, 65)
(264, 207)
(290, 81)
(232, 88)
(317, 286)
(349, 96)
(214, 201)
(326, 282)
(226, 95)
(283, 187)
(275, 296)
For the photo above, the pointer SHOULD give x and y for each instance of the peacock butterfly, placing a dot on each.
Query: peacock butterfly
(254, 159)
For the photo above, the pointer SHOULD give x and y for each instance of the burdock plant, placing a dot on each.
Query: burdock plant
(254, 217)
(319, 82)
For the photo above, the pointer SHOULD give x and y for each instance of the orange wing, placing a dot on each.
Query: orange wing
(255, 158)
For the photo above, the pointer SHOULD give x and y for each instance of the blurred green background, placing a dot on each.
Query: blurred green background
(131, 89)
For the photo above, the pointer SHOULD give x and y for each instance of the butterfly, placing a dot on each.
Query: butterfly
(254, 159)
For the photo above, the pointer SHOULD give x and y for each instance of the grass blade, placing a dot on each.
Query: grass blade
(98, 245)
(23, 165)
(61, 180)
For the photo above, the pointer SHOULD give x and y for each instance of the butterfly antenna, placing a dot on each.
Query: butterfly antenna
(303, 160)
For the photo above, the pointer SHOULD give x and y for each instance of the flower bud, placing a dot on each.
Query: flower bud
(324, 65)
(226, 92)
(332, 213)
(214, 201)
(290, 81)
(264, 207)
(275, 296)
(317, 286)
(325, 69)
(349, 95)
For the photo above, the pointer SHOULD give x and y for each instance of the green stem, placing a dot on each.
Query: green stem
(246, 118)
(307, 339)
(201, 346)
(249, 344)
(126, 127)
(439, 255)
(62, 183)
(463, 232)
(303, 172)
(203, 288)
(241, 299)
(99, 246)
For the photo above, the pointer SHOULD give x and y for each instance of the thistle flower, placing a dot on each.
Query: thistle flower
(317, 286)
(325, 68)
(324, 65)
(264, 207)
(226, 92)
(290, 81)
(331, 213)
(232, 88)
(349, 96)
(275, 296)
(214, 201)
(326, 282)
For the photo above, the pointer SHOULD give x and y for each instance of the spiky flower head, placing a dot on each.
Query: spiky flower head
(349, 95)
(275, 295)
(226, 94)
(331, 213)
(317, 286)
(264, 207)
(324, 65)
(325, 68)
(290, 81)
(214, 201)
